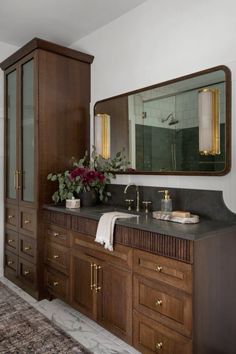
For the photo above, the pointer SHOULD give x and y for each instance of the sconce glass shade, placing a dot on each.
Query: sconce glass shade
(209, 121)
(102, 134)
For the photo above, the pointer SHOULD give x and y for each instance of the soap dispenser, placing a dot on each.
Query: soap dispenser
(166, 202)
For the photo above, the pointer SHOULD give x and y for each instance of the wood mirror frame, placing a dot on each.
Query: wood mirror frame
(117, 108)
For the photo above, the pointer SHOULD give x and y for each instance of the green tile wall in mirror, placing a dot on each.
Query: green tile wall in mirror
(182, 126)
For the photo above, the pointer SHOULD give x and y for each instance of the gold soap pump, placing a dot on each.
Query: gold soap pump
(166, 202)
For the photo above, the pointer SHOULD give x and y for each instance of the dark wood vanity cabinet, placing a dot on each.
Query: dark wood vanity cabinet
(162, 294)
(47, 96)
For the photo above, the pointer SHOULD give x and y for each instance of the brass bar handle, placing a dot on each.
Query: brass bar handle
(26, 222)
(26, 272)
(15, 179)
(55, 283)
(92, 284)
(18, 173)
(10, 262)
(159, 302)
(159, 269)
(97, 288)
(159, 346)
(55, 256)
(10, 240)
(27, 248)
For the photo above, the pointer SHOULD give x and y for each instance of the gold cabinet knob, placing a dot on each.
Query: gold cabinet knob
(55, 234)
(10, 217)
(10, 241)
(159, 346)
(10, 262)
(26, 272)
(159, 268)
(55, 283)
(55, 256)
(158, 302)
(27, 248)
(27, 222)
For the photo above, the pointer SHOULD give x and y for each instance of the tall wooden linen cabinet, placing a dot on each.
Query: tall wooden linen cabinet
(47, 97)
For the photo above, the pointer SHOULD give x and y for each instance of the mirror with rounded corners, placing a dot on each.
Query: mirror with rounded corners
(178, 127)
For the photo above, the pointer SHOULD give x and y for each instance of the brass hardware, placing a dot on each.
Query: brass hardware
(26, 272)
(55, 283)
(55, 234)
(17, 174)
(10, 217)
(158, 302)
(159, 268)
(10, 262)
(129, 203)
(159, 346)
(10, 240)
(92, 285)
(97, 288)
(27, 222)
(27, 248)
(55, 256)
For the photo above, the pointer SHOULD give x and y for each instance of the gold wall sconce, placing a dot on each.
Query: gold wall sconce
(102, 135)
(209, 121)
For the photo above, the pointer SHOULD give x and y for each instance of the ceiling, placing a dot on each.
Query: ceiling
(61, 21)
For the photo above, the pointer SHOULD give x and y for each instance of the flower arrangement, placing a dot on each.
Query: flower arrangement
(88, 174)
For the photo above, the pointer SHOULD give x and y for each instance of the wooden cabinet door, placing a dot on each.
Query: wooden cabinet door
(83, 296)
(114, 300)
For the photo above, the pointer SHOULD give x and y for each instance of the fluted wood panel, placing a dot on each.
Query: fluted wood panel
(164, 245)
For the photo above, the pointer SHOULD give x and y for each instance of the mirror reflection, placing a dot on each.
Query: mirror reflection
(179, 126)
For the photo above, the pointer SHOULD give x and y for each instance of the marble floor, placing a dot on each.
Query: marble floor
(81, 328)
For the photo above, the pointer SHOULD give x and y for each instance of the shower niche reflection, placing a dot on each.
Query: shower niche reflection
(159, 126)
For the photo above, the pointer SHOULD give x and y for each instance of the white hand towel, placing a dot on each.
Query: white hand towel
(105, 229)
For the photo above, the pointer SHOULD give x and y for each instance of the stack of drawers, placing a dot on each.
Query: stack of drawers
(20, 247)
(162, 315)
(57, 260)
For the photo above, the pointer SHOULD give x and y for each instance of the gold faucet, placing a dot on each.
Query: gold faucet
(137, 194)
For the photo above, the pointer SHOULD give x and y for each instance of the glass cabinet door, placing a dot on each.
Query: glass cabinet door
(11, 143)
(27, 132)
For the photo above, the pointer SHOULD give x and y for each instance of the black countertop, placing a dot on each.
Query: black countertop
(205, 228)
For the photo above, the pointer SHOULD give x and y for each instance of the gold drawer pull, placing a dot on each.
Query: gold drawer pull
(10, 217)
(27, 222)
(159, 302)
(92, 285)
(55, 256)
(97, 287)
(10, 240)
(10, 262)
(55, 234)
(26, 272)
(27, 248)
(159, 268)
(55, 283)
(159, 346)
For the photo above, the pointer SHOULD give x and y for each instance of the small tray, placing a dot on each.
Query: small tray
(167, 216)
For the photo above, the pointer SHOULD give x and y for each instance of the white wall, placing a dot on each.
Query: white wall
(5, 51)
(162, 40)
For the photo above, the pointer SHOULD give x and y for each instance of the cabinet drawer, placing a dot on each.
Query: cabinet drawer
(27, 272)
(58, 257)
(28, 222)
(56, 283)
(11, 241)
(27, 248)
(163, 303)
(58, 235)
(11, 261)
(169, 271)
(11, 217)
(151, 337)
